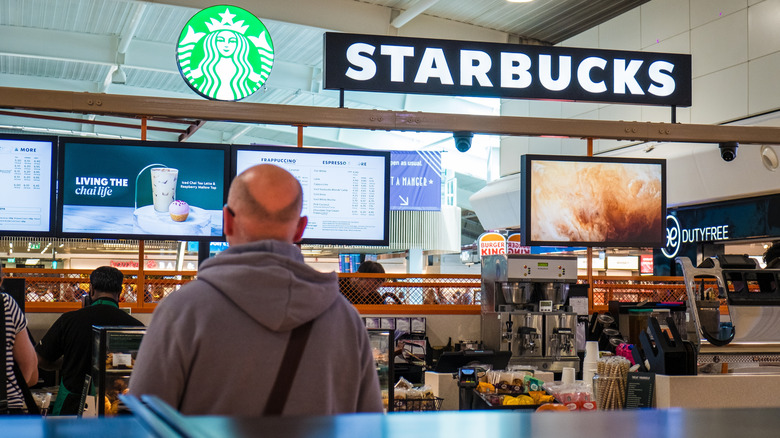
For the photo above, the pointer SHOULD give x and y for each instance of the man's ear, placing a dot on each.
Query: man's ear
(300, 228)
(227, 222)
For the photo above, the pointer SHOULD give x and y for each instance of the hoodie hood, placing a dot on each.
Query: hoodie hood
(270, 282)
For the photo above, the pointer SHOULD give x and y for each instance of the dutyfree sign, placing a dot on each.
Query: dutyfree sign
(462, 68)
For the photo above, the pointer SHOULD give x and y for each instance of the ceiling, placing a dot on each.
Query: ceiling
(84, 45)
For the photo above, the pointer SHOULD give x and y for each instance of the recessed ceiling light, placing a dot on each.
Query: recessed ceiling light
(519, 1)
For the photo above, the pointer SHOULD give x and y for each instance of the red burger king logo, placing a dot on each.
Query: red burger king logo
(491, 244)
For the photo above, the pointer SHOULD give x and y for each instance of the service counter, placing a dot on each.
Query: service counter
(655, 423)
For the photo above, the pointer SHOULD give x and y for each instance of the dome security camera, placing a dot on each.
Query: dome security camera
(462, 140)
(728, 150)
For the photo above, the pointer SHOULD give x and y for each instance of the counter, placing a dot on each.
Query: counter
(672, 423)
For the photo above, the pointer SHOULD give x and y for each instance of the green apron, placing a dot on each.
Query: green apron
(62, 392)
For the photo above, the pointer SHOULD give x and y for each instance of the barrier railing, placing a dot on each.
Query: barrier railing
(59, 290)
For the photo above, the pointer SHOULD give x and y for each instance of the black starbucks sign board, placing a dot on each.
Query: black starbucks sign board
(463, 68)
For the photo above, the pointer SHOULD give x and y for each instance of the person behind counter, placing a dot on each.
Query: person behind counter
(216, 346)
(362, 290)
(772, 256)
(68, 343)
(19, 349)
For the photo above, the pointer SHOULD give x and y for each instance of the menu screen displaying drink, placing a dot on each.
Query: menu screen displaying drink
(137, 189)
(27, 182)
(345, 192)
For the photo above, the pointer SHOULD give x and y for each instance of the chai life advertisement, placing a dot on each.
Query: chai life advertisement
(127, 189)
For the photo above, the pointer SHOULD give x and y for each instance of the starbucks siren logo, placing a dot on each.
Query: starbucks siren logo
(225, 55)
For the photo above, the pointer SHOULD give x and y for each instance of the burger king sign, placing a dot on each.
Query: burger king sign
(491, 244)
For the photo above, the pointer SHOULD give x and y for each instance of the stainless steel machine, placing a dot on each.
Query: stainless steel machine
(523, 312)
(751, 335)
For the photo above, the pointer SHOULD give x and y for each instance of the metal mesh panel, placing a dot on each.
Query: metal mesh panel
(413, 289)
(658, 289)
(68, 286)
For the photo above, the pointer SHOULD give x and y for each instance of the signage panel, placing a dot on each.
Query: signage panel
(225, 53)
(492, 244)
(463, 68)
(415, 180)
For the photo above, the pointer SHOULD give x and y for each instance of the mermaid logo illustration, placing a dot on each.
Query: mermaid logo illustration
(225, 55)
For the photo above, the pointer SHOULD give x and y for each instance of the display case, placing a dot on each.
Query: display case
(382, 345)
(114, 350)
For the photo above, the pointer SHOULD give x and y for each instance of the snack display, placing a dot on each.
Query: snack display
(179, 211)
(113, 358)
(408, 398)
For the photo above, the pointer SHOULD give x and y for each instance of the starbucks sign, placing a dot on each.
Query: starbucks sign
(225, 53)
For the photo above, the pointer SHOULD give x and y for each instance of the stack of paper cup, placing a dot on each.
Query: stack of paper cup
(589, 364)
(567, 376)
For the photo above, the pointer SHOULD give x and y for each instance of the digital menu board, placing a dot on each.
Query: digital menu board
(593, 201)
(345, 192)
(141, 189)
(27, 180)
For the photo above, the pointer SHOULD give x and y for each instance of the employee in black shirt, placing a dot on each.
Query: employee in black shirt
(68, 343)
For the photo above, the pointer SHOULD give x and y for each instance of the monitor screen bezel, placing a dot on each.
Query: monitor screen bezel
(53, 140)
(384, 241)
(525, 197)
(64, 141)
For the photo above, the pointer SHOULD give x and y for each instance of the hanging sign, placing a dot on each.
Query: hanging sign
(225, 53)
(415, 180)
(465, 68)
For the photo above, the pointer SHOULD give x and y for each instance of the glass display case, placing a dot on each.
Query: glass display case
(382, 345)
(114, 350)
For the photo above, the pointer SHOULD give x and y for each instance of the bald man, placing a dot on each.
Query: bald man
(215, 347)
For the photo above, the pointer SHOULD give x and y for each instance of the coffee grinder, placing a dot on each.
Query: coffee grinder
(523, 309)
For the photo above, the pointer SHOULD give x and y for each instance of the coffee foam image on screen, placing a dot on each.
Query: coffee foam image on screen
(131, 190)
(596, 202)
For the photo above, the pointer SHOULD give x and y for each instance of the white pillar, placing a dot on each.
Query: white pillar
(415, 260)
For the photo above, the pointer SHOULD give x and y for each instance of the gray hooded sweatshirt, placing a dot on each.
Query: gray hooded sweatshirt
(214, 347)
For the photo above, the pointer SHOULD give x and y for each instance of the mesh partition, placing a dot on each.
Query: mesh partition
(412, 289)
(68, 286)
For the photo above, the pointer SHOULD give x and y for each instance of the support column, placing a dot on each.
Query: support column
(414, 262)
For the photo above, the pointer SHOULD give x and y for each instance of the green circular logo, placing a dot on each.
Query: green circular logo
(225, 53)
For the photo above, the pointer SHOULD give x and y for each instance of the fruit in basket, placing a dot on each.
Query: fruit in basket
(552, 407)
(485, 387)
(518, 400)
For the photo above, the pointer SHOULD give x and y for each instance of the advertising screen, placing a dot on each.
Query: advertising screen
(345, 192)
(136, 189)
(27, 181)
(593, 201)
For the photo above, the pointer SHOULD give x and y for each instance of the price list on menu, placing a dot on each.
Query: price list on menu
(343, 195)
(25, 171)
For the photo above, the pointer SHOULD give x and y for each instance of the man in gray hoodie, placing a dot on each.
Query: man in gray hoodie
(215, 346)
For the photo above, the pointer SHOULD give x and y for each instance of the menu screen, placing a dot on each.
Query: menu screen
(27, 182)
(597, 201)
(139, 189)
(345, 192)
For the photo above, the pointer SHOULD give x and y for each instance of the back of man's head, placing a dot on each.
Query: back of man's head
(371, 267)
(264, 202)
(772, 255)
(106, 279)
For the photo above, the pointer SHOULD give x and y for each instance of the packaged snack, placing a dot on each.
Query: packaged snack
(533, 384)
(485, 387)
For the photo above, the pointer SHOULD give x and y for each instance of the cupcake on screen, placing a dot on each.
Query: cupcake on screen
(179, 210)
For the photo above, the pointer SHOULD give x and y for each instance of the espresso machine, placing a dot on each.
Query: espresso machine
(523, 298)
